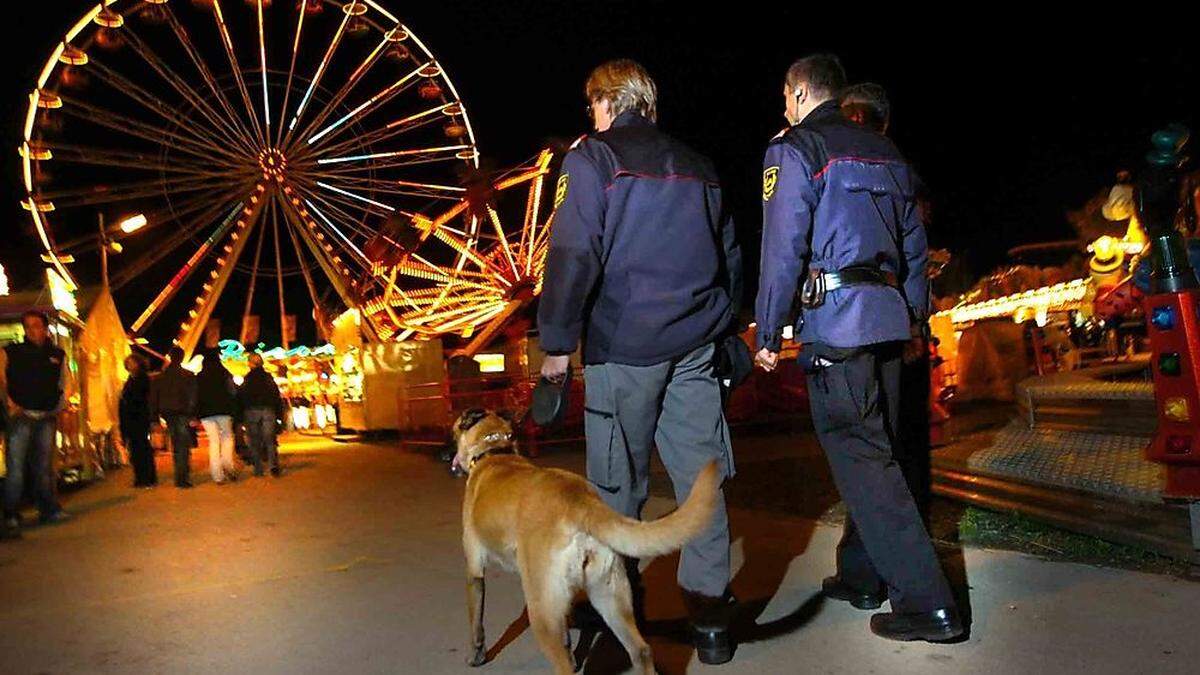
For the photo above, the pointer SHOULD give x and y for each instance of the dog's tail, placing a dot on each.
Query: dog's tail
(638, 539)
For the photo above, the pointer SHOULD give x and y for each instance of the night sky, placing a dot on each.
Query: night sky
(1011, 120)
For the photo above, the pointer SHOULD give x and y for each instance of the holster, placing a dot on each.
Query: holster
(812, 291)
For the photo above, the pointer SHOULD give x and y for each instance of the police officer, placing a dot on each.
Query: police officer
(839, 211)
(867, 104)
(644, 269)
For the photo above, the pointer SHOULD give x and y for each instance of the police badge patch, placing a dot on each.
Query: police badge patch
(770, 180)
(560, 190)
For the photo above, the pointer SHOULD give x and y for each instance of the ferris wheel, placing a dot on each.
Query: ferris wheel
(274, 144)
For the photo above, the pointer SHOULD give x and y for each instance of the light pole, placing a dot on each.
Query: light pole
(128, 225)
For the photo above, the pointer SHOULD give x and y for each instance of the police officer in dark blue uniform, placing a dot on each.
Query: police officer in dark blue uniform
(644, 269)
(839, 213)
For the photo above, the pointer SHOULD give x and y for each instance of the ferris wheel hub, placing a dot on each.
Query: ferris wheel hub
(273, 163)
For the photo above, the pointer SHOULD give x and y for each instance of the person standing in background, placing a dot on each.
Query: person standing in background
(33, 381)
(216, 405)
(173, 398)
(134, 415)
(261, 407)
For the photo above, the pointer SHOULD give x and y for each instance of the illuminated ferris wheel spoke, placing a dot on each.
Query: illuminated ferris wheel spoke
(146, 131)
(287, 89)
(389, 186)
(153, 103)
(348, 220)
(206, 74)
(108, 194)
(352, 195)
(412, 123)
(365, 108)
(321, 217)
(418, 155)
(227, 41)
(266, 92)
(316, 80)
(186, 90)
(327, 264)
(344, 91)
(99, 156)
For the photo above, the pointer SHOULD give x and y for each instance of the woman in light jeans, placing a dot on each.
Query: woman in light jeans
(216, 406)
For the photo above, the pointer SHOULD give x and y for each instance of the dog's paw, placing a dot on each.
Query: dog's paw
(479, 658)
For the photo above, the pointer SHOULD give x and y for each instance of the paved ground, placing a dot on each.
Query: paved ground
(351, 564)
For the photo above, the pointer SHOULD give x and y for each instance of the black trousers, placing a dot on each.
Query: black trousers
(141, 456)
(911, 452)
(855, 401)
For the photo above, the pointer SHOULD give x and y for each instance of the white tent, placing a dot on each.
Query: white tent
(105, 346)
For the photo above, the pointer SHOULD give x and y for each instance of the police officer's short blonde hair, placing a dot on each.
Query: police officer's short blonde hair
(626, 85)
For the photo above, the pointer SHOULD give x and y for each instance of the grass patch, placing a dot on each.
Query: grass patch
(1013, 531)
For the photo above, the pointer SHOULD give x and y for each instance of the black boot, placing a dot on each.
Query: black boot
(709, 618)
(836, 589)
(936, 626)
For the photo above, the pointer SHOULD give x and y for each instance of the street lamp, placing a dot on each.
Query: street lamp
(127, 225)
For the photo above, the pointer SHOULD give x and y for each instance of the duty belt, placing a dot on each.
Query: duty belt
(819, 282)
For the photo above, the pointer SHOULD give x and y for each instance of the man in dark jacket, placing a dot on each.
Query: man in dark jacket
(261, 407)
(644, 269)
(867, 104)
(173, 398)
(839, 211)
(33, 376)
(135, 415)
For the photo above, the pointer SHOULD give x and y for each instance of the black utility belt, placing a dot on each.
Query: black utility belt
(819, 282)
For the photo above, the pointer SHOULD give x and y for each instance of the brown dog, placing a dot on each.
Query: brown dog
(550, 527)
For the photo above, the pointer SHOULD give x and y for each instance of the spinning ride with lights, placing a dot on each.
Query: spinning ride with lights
(312, 142)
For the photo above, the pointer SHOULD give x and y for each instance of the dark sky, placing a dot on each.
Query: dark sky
(1012, 120)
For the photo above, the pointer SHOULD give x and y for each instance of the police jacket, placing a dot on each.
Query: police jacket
(643, 264)
(173, 392)
(837, 195)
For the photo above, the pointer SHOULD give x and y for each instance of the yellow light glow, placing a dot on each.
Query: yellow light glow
(61, 294)
(1057, 298)
(490, 363)
(133, 223)
(1176, 409)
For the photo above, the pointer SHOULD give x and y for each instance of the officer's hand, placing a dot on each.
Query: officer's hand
(554, 368)
(767, 359)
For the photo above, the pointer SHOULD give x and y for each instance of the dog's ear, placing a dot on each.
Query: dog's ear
(470, 418)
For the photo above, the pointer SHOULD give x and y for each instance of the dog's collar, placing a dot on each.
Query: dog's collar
(500, 450)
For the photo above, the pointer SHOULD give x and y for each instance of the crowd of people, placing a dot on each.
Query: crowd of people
(32, 384)
(210, 400)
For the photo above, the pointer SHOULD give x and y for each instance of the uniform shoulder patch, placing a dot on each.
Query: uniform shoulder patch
(560, 189)
(770, 181)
